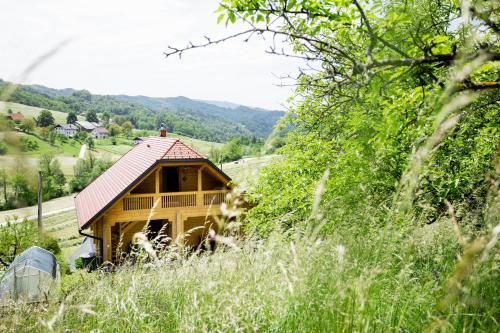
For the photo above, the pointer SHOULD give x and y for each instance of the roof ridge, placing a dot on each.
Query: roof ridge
(173, 144)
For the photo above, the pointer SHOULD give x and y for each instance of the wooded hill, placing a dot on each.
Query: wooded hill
(194, 118)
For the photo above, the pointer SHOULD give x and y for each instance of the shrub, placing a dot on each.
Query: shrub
(49, 243)
(28, 144)
(3, 148)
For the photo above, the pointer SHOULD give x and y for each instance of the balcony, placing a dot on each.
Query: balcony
(137, 202)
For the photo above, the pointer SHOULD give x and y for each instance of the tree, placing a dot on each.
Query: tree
(24, 192)
(86, 170)
(27, 125)
(90, 142)
(127, 128)
(105, 117)
(81, 136)
(52, 176)
(52, 137)
(71, 118)
(114, 130)
(45, 119)
(3, 148)
(231, 151)
(3, 184)
(389, 94)
(91, 116)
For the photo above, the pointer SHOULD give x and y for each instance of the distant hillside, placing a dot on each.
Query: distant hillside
(194, 118)
(259, 122)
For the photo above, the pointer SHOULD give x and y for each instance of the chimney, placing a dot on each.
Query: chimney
(163, 131)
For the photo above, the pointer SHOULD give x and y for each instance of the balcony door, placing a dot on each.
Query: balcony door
(170, 179)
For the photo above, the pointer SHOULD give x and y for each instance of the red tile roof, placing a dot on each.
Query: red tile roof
(105, 189)
(16, 116)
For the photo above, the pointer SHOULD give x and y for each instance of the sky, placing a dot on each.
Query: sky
(116, 47)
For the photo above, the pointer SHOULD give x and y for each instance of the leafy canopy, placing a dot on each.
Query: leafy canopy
(398, 99)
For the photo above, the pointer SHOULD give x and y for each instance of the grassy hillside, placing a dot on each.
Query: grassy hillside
(246, 170)
(32, 111)
(351, 281)
(64, 228)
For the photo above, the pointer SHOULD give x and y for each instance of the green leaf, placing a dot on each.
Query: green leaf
(220, 18)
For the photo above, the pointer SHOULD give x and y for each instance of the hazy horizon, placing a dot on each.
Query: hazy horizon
(117, 48)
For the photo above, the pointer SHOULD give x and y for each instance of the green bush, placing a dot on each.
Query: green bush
(28, 144)
(3, 148)
(49, 243)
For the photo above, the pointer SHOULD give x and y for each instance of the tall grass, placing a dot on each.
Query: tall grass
(356, 280)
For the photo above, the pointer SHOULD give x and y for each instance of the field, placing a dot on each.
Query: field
(64, 228)
(246, 169)
(32, 111)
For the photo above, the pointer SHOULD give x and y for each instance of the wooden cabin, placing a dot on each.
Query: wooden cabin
(160, 176)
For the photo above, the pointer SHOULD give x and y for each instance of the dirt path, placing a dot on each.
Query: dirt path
(50, 207)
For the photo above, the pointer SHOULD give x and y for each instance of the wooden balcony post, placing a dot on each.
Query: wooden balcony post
(106, 239)
(199, 195)
(199, 179)
(157, 180)
(179, 227)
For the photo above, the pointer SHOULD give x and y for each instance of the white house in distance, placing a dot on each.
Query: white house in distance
(100, 133)
(68, 130)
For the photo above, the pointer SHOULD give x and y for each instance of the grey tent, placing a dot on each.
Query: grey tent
(87, 252)
(31, 276)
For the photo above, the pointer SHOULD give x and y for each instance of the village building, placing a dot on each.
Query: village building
(68, 130)
(161, 179)
(100, 133)
(16, 117)
(86, 126)
(139, 139)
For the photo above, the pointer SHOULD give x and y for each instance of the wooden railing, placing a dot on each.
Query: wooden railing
(178, 200)
(138, 202)
(214, 197)
(172, 200)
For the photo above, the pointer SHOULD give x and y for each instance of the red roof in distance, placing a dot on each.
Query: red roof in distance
(106, 188)
(16, 116)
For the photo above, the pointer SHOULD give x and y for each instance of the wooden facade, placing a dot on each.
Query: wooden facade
(175, 197)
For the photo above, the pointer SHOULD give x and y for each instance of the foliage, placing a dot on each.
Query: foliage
(15, 238)
(81, 136)
(27, 125)
(71, 118)
(45, 119)
(28, 144)
(53, 179)
(105, 117)
(23, 188)
(400, 103)
(127, 128)
(114, 130)
(91, 116)
(235, 149)
(90, 142)
(86, 170)
(3, 148)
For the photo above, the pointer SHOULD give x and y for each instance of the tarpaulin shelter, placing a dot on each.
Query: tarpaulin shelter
(31, 276)
(87, 252)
